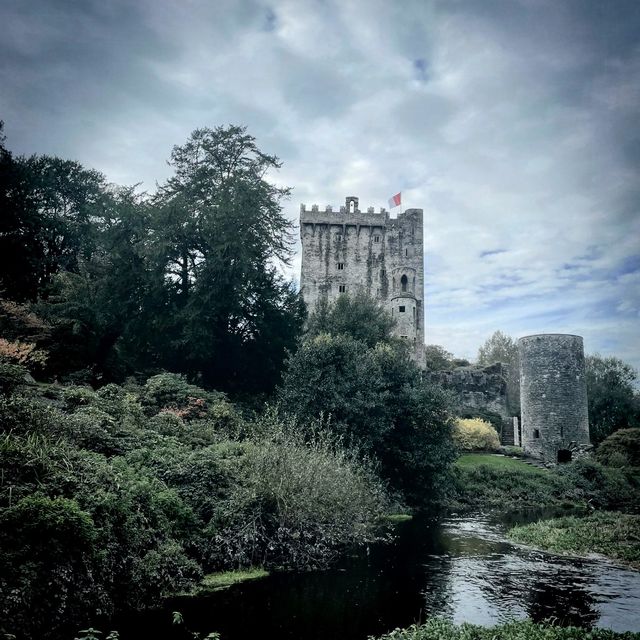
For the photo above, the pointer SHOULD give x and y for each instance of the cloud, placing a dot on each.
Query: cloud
(514, 124)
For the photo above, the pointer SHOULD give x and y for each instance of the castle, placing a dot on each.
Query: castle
(350, 251)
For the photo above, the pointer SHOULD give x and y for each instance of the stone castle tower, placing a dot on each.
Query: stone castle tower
(350, 250)
(553, 396)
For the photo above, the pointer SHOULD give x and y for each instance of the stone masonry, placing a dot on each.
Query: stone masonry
(350, 251)
(553, 397)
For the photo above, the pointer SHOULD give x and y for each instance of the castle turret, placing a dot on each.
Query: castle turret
(553, 396)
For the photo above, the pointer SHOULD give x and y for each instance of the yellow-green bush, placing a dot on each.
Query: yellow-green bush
(474, 434)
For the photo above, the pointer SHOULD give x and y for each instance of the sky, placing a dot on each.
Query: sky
(514, 124)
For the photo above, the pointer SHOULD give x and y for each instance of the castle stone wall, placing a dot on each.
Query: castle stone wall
(349, 250)
(477, 391)
(553, 396)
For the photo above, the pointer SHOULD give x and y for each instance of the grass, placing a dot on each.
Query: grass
(398, 517)
(482, 481)
(612, 534)
(471, 460)
(439, 629)
(225, 579)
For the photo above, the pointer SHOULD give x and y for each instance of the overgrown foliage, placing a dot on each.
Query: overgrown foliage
(481, 484)
(613, 401)
(126, 283)
(620, 449)
(440, 629)
(611, 534)
(112, 499)
(372, 395)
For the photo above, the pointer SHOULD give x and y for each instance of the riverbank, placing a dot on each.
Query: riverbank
(439, 629)
(615, 535)
(488, 482)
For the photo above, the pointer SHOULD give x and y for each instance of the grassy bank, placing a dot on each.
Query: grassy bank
(615, 535)
(438, 629)
(495, 461)
(484, 482)
(225, 579)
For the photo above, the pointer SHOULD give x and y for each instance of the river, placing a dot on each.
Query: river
(461, 568)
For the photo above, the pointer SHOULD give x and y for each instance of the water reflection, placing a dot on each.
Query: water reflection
(463, 569)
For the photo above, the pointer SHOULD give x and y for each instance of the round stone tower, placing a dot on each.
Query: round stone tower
(553, 396)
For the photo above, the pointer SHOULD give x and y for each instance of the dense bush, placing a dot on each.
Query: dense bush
(149, 503)
(620, 449)
(474, 434)
(48, 559)
(375, 398)
(440, 629)
(297, 499)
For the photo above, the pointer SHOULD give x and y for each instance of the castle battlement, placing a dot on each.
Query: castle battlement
(348, 250)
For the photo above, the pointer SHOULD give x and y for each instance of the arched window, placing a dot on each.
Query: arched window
(403, 282)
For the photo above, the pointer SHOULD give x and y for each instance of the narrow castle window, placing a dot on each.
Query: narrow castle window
(376, 238)
(342, 288)
(383, 273)
(403, 282)
(340, 266)
(536, 433)
(401, 309)
(406, 252)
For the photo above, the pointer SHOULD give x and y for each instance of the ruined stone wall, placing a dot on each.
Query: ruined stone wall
(553, 395)
(349, 250)
(477, 391)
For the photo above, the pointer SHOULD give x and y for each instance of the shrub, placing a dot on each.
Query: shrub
(440, 629)
(620, 449)
(47, 564)
(12, 376)
(474, 434)
(296, 500)
(377, 400)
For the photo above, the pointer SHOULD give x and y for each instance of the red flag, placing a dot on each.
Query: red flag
(395, 201)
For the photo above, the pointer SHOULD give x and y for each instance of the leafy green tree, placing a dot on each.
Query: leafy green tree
(503, 348)
(437, 358)
(357, 316)
(47, 207)
(620, 449)
(375, 398)
(218, 232)
(99, 310)
(612, 399)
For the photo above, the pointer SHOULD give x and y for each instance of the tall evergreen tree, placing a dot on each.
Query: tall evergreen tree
(218, 237)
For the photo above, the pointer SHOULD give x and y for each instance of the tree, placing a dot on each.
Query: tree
(47, 208)
(438, 358)
(374, 397)
(218, 233)
(359, 316)
(612, 400)
(99, 309)
(503, 348)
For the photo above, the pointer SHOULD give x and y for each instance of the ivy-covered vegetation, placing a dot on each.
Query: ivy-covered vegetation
(438, 629)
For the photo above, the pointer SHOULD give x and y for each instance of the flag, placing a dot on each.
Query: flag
(394, 201)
